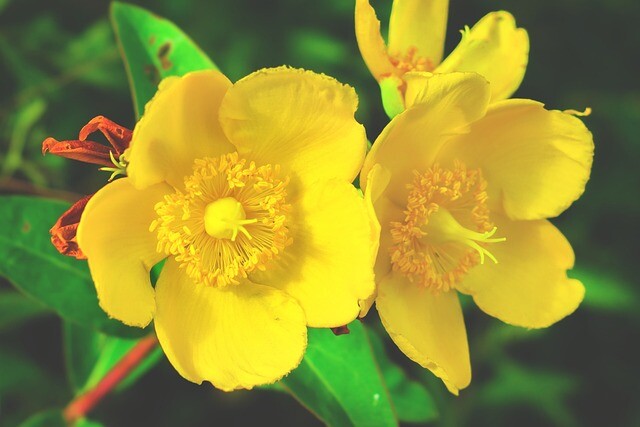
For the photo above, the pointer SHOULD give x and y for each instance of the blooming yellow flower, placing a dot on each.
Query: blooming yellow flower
(462, 190)
(494, 47)
(246, 190)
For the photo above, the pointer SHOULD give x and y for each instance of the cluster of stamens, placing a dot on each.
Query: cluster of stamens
(229, 220)
(410, 61)
(445, 229)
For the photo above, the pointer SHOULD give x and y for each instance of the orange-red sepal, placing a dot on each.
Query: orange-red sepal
(63, 233)
(89, 151)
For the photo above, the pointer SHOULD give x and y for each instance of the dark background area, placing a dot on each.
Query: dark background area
(60, 67)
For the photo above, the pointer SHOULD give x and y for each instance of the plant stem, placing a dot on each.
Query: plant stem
(81, 405)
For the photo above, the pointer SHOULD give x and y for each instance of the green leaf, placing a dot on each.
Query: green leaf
(338, 380)
(606, 291)
(83, 422)
(16, 308)
(33, 265)
(153, 48)
(52, 418)
(412, 401)
(90, 355)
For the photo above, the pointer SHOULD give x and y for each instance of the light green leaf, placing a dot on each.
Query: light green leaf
(32, 264)
(153, 48)
(338, 380)
(412, 401)
(606, 291)
(16, 308)
(90, 355)
(52, 418)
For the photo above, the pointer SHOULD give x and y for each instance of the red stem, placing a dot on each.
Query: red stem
(84, 403)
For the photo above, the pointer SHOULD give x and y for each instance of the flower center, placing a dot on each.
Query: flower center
(224, 218)
(446, 228)
(410, 61)
(230, 219)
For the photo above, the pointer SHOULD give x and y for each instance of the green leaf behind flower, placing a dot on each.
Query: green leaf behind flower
(412, 401)
(153, 48)
(339, 381)
(90, 355)
(33, 265)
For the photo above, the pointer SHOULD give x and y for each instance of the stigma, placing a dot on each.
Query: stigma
(230, 219)
(446, 229)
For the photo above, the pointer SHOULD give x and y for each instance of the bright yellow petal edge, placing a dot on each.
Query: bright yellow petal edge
(444, 227)
(228, 213)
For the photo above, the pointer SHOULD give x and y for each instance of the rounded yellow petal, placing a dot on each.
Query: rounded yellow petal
(114, 235)
(298, 119)
(528, 286)
(419, 24)
(427, 327)
(180, 124)
(235, 337)
(536, 162)
(494, 48)
(370, 41)
(328, 268)
(443, 107)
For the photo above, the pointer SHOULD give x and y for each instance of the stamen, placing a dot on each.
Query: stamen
(410, 61)
(235, 212)
(446, 227)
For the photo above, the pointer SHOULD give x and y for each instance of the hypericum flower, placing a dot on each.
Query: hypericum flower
(63, 233)
(494, 47)
(246, 190)
(462, 190)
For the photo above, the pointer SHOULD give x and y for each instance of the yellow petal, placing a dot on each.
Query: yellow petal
(235, 337)
(494, 48)
(428, 328)
(377, 182)
(536, 162)
(528, 286)
(179, 125)
(370, 41)
(298, 119)
(328, 268)
(114, 235)
(444, 106)
(420, 24)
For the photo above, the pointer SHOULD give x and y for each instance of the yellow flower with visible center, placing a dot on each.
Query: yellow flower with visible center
(462, 189)
(494, 48)
(246, 190)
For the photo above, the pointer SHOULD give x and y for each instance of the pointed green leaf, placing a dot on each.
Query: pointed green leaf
(153, 48)
(412, 401)
(52, 418)
(33, 265)
(339, 381)
(90, 355)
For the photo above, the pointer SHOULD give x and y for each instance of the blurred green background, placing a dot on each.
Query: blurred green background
(60, 67)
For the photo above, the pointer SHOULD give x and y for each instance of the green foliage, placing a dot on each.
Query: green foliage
(16, 308)
(90, 355)
(411, 400)
(46, 419)
(33, 265)
(153, 48)
(339, 381)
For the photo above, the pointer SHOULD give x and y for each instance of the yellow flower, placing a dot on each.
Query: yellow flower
(493, 48)
(462, 190)
(246, 190)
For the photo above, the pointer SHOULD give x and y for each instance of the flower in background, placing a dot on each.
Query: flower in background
(63, 233)
(494, 48)
(462, 189)
(246, 190)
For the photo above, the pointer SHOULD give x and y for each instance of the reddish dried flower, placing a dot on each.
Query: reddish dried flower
(63, 233)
